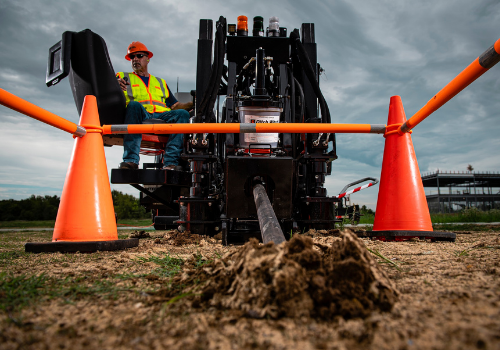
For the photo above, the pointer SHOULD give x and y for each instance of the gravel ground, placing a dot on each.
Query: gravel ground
(446, 295)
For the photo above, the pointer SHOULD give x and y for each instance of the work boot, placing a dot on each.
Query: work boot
(129, 165)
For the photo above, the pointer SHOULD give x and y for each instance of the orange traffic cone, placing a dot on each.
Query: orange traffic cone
(86, 217)
(402, 212)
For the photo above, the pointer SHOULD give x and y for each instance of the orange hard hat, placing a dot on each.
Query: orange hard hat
(137, 46)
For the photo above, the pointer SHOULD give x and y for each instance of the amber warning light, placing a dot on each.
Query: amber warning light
(242, 26)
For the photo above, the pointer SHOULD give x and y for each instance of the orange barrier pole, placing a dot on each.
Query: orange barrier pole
(318, 127)
(27, 108)
(242, 128)
(477, 68)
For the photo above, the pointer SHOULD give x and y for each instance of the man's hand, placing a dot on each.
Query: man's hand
(187, 106)
(123, 84)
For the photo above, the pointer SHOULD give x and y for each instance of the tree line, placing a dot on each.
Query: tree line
(45, 207)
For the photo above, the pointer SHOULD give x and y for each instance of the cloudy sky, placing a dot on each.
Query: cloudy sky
(370, 51)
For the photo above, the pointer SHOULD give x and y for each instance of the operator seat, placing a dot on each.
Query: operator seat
(92, 73)
(86, 59)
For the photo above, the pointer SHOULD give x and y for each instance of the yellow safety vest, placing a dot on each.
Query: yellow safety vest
(152, 97)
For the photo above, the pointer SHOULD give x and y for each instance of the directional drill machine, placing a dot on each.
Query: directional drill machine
(237, 184)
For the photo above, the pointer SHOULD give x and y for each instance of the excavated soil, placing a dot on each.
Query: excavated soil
(321, 290)
(291, 280)
(177, 238)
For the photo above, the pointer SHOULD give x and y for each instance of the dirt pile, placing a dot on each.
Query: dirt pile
(139, 234)
(334, 232)
(294, 279)
(177, 238)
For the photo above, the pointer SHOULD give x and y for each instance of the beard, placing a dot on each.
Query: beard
(137, 67)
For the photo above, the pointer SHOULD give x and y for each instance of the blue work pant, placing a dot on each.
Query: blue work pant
(136, 114)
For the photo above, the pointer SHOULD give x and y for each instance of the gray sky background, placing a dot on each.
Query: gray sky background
(370, 50)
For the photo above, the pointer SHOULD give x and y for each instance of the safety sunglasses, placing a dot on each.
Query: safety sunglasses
(139, 55)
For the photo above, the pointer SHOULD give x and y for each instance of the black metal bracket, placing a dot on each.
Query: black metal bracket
(150, 194)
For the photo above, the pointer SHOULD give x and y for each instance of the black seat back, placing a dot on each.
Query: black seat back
(90, 73)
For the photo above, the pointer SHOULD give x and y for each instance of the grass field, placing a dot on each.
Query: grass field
(135, 298)
(465, 216)
(468, 215)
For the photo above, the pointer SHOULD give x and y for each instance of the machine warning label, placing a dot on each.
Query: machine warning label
(262, 138)
(263, 121)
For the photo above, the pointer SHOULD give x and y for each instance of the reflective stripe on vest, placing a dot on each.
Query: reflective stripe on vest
(162, 88)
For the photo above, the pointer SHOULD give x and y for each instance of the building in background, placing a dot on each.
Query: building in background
(451, 191)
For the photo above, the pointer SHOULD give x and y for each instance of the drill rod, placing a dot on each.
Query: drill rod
(269, 226)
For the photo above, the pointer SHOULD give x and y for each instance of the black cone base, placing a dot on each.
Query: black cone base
(82, 247)
(406, 235)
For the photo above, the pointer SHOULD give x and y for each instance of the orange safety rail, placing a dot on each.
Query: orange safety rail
(318, 127)
(477, 68)
(242, 128)
(170, 128)
(27, 108)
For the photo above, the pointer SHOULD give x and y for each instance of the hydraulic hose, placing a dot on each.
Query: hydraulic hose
(301, 91)
(208, 92)
(292, 94)
(208, 102)
(221, 39)
(311, 76)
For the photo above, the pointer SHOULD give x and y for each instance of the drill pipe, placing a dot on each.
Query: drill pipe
(269, 226)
